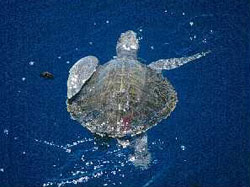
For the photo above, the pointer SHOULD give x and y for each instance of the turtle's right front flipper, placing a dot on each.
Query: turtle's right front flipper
(79, 73)
(172, 63)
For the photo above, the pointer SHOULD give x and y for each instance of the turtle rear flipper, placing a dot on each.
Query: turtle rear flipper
(141, 157)
(79, 73)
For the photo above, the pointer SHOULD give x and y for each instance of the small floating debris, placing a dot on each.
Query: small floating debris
(90, 43)
(165, 11)
(152, 47)
(183, 147)
(94, 23)
(1, 170)
(47, 75)
(107, 21)
(23, 78)
(191, 23)
(67, 62)
(183, 13)
(59, 57)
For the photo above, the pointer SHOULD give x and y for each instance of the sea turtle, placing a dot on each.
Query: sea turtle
(123, 98)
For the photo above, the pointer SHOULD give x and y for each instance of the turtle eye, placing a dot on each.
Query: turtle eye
(126, 47)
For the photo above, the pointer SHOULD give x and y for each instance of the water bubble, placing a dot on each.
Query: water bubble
(6, 131)
(183, 147)
(31, 63)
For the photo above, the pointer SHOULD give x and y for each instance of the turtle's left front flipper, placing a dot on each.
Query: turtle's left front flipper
(79, 73)
(172, 63)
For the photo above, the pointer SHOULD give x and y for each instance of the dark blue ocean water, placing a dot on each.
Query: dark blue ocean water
(205, 141)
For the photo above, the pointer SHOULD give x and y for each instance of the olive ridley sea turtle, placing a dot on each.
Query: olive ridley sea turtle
(123, 98)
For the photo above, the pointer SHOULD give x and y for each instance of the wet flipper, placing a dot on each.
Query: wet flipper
(172, 63)
(79, 73)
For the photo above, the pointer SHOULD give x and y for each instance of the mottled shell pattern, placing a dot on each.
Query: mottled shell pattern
(123, 97)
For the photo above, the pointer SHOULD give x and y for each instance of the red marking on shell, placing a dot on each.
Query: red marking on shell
(126, 122)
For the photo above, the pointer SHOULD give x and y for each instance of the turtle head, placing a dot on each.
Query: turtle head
(127, 45)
